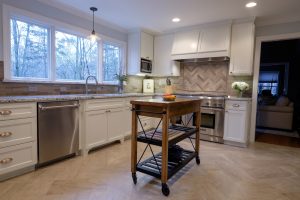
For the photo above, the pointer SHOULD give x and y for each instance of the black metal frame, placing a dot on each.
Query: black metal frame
(152, 165)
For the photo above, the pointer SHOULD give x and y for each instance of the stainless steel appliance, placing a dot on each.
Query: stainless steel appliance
(58, 131)
(146, 65)
(212, 118)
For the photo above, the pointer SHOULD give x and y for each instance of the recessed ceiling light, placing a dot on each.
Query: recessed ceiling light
(175, 19)
(251, 4)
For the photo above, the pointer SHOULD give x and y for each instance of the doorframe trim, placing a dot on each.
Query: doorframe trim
(258, 41)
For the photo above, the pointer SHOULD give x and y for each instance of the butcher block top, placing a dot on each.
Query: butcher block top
(152, 107)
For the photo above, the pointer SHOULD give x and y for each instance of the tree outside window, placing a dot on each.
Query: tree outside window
(111, 62)
(76, 57)
(29, 50)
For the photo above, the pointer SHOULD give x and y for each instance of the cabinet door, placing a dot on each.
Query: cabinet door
(127, 121)
(242, 47)
(235, 126)
(146, 46)
(116, 124)
(163, 64)
(215, 39)
(95, 128)
(185, 42)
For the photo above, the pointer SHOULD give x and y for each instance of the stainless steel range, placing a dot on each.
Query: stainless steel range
(212, 117)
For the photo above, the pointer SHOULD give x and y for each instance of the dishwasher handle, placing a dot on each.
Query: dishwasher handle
(58, 107)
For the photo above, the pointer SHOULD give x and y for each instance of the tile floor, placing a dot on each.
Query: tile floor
(260, 172)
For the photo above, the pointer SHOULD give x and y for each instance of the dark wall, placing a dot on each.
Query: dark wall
(286, 51)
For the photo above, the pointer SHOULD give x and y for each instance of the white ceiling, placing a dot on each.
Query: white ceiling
(156, 15)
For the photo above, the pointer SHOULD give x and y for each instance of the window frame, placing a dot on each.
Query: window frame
(10, 12)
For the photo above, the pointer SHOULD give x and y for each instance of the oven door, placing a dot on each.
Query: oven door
(212, 121)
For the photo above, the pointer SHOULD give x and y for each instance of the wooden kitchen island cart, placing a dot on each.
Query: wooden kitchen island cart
(160, 165)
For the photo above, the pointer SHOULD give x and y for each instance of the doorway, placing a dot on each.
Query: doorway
(276, 91)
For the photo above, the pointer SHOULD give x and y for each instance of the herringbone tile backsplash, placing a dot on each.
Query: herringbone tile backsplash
(205, 77)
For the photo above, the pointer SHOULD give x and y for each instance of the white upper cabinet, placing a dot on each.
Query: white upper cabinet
(242, 47)
(212, 41)
(146, 46)
(140, 45)
(215, 38)
(186, 42)
(163, 63)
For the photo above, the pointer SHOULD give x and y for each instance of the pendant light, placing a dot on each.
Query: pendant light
(93, 37)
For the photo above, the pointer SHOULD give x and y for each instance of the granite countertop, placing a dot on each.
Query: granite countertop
(45, 98)
(238, 98)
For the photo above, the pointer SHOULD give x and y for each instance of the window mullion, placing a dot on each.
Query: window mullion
(100, 61)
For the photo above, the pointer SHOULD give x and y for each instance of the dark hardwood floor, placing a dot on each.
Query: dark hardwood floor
(277, 139)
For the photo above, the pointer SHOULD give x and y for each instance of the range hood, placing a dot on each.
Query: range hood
(204, 60)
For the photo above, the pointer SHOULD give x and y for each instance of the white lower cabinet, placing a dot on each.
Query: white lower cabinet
(18, 138)
(95, 128)
(104, 122)
(116, 125)
(236, 126)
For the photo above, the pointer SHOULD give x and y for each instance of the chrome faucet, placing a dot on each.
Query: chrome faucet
(86, 83)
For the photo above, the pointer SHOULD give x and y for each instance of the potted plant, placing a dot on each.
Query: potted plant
(122, 78)
(240, 87)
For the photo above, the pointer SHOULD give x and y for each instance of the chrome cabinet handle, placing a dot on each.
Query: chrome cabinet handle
(5, 112)
(5, 134)
(6, 160)
(235, 105)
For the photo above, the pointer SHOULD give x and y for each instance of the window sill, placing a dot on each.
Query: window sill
(56, 82)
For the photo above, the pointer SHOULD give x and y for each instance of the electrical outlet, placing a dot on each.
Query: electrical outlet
(32, 89)
(63, 89)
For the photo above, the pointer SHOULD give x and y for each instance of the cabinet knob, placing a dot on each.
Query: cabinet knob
(5, 112)
(5, 134)
(6, 160)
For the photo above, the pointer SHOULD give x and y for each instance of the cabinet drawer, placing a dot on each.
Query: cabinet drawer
(146, 122)
(103, 104)
(17, 157)
(236, 105)
(17, 110)
(17, 131)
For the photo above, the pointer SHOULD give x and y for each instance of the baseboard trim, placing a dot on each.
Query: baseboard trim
(17, 173)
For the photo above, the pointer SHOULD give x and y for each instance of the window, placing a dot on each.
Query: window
(111, 62)
(42, 49)
(29, 50)
(76, 57)
(268, 80)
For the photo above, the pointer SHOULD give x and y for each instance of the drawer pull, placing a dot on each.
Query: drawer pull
(5, 112)
(6, 160)
(5, 134)
(235, 105)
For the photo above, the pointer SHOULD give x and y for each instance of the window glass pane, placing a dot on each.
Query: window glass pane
(29, 50)
(76, 57)
(111, 61)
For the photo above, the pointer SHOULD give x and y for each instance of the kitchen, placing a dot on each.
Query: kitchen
(200, 59)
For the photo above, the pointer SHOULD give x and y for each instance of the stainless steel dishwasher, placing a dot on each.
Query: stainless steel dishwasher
(58, 131)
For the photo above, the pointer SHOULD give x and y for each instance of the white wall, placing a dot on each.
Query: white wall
(277, 29)
(57, 14)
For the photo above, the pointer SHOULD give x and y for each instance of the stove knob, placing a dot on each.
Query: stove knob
(207, 103)
(215, 105)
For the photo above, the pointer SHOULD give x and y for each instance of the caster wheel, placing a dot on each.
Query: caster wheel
(198, 160)
(165, 189)
(134, 178)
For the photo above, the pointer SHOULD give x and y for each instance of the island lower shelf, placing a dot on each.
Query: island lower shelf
(175, 134)
(152, 166)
